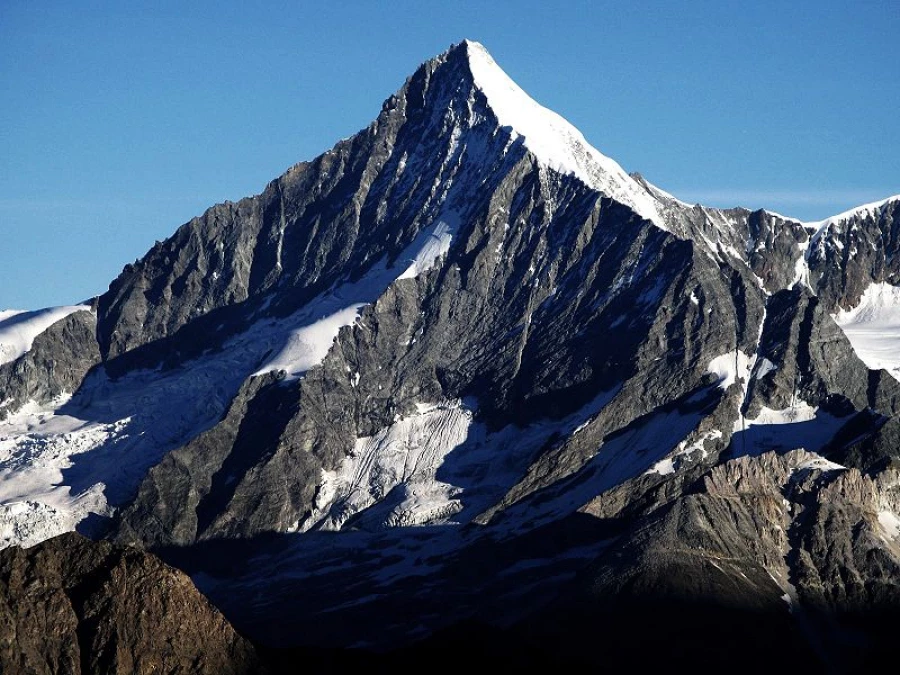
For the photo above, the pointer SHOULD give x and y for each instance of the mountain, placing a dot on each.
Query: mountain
(464, 367)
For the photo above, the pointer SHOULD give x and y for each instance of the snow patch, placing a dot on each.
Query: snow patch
(819, 464)
(435, 246)
(36, 448)
(436, 466)
(859, 211)
(664, 467)
(799, 426)
(801, 267)
(800, 411)
(873, 327)
(890, 524)
(730, 367)
(73, 458)
(763, 367)
(308, 346)
(404, 455)
(684, 451)
(8, 313)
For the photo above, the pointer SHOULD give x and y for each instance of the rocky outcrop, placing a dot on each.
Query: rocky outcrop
(56, 364)
(850, 251)
(70, 605)
(320, 222)
(803, 355)
(774, 535)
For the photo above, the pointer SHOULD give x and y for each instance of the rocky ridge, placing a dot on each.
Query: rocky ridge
(70, 605)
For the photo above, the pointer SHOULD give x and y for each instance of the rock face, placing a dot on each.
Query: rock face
(851, 250)
(777, 535)
(56, 364)
(70, 605)
(463, 360)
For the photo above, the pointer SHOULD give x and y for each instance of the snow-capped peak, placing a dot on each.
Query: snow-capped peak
(553, 140)
(858, 211)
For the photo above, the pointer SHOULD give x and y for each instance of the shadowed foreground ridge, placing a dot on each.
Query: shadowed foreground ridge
(70, 605)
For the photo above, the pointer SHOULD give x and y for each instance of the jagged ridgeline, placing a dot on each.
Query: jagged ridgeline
(463, 366)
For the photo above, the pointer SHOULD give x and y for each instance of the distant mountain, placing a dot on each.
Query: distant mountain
(464, 367)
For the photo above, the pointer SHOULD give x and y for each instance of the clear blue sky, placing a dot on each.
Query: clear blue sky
(118, 124)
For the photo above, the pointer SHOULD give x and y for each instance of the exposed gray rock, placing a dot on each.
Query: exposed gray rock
(803, 355)
(850, 252)
(56, 364)
(320, 222)
(551, 300)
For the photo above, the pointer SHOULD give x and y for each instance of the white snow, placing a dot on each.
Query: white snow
(404, 455)
(763, 367)
(26, 523)
(663, 467)
(801, 267)
(858, 211)
(890, 523)
(687, 449)
(19, 329)
(303, 340)
(35, 447)
(553, 140)
(71, 459)
(436, 245)
(730, 367)
(800, 425)
(635, 451)
(782, 216)
(436, 466)
(684, 451)
(801, 411)
(824, 232)
(873, 327)
(819, 464)
(308, 345)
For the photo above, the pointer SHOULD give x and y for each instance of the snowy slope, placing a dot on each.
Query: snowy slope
(862, 211)
(320, 321)
(873, 327)
(19, 329)
(435, 467)
(553, 140)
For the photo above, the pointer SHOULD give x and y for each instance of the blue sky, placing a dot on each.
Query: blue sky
(119, 123)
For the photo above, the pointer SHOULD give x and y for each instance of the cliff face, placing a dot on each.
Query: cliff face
(56, 363)
(74, 606)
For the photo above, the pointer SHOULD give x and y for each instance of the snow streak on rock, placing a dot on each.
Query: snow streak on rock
(19, 329)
